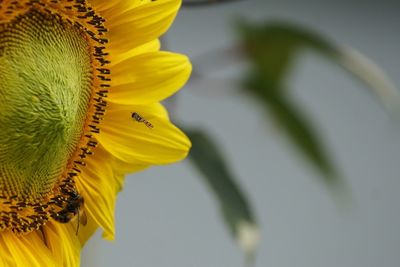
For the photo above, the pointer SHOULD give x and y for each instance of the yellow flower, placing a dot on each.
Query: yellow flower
(81, 82)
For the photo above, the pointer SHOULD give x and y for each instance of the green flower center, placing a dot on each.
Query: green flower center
(45, 88)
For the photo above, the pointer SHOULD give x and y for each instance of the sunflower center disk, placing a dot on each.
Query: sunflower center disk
(45, 88)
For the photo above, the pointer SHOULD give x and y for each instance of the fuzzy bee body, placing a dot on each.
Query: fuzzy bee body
(63, 216)
(74, 203)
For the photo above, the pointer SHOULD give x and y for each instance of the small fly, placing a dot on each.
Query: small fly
(139, 118)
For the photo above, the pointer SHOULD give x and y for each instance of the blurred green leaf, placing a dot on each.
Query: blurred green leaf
(295, 124)
(272, 48)
(235, 208)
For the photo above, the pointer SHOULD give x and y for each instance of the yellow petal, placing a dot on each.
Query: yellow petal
(117, 57)
(114, 10)
(109, 9)
(149, 78)
(142, 24)
(122, 168)
(158, 142)
(86, 231)
(63, 243)
(27, 250)
(99, 182)
(61, 248)
(98, 189)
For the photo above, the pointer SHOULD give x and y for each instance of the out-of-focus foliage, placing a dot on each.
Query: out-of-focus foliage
(235, 208)
(273, 46)
(271, 49)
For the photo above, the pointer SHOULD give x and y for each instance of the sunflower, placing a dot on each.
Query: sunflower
(80, 91)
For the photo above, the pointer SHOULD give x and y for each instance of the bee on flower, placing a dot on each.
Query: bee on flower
(72, 71)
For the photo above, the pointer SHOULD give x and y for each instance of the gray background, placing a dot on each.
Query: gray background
(167, 217)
